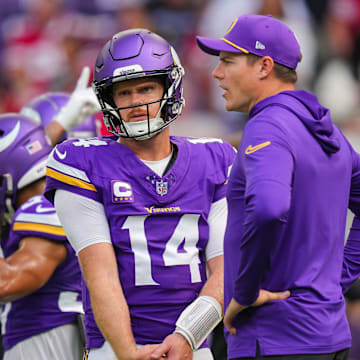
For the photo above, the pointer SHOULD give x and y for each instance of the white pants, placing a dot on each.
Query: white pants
(107, 353)
(61, 343)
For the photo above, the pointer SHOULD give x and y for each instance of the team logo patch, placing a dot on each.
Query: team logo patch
(161, 187)
(121, 192)
(34, 147)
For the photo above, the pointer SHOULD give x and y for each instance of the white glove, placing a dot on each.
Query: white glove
(82, 103)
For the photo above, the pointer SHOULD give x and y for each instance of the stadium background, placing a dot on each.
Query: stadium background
(45, 43)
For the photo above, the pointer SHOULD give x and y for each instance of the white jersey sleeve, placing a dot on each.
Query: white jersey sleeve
(217, 223)
(91, 226)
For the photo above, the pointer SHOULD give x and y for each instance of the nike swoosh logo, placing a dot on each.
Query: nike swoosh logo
(250, 149)
(40, 209)
(61, 156)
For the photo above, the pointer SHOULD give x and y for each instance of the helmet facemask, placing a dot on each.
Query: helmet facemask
(7, 199)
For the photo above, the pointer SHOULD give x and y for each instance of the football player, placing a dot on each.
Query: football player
(145, 211)
(39, 276)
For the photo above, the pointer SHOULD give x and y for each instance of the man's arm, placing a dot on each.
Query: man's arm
(54, 131)
(99, 267)
(235, 308)
(214, 286)
(90, 236)
(82, 104)
(351, 262)
(29, 268)
(175, 345)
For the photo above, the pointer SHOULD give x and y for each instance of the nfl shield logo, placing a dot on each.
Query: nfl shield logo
(161, 187)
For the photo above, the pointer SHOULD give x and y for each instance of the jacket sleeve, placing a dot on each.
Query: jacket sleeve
(351, 262)
(268, 164)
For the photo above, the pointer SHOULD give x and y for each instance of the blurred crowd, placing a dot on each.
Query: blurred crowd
(44, 44)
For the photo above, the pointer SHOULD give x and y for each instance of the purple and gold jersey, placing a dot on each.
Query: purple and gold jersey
(158, 225)
(56, 303)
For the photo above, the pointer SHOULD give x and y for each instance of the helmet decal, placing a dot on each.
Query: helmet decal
(8, 139)
(24, 148)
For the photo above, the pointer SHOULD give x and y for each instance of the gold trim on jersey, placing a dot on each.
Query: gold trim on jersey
(48, 229)
(86, 354)
(69, 180)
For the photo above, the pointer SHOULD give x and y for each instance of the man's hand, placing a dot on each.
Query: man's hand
(175, 347)
(235, 308)
(144, 352)
(82, 103)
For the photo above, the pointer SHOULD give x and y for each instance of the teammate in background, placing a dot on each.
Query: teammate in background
(65, 115)
(39, 276)
(148, 210)
(45, 108)
(293, 178)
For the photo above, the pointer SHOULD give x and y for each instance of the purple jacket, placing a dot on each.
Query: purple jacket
(292, 181)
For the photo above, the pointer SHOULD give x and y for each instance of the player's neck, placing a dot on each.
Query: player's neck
(35, 188)
(153, 149)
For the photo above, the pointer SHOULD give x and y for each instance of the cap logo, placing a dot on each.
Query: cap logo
(259, 45)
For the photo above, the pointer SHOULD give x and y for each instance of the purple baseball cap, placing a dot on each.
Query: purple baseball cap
(259, 35)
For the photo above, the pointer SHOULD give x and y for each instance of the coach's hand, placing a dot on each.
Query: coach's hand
(235, 308)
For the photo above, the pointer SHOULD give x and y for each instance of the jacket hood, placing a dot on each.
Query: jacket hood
(313, 115)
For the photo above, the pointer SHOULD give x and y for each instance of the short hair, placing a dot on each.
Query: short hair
(282, 72)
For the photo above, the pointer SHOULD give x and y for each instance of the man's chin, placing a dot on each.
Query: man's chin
(229, 107)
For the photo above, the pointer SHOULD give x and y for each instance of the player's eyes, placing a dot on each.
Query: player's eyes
(122, 93)
(147, 89)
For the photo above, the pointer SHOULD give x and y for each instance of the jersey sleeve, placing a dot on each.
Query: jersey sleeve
(223, 158)
(37, 218)
(217, 225)
(91, 226)
(68, 169)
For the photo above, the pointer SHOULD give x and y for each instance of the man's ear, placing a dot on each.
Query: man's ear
(266, 65)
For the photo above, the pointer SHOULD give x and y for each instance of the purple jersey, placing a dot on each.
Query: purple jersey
(56, 303)
(294, 176)
(158, 225)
